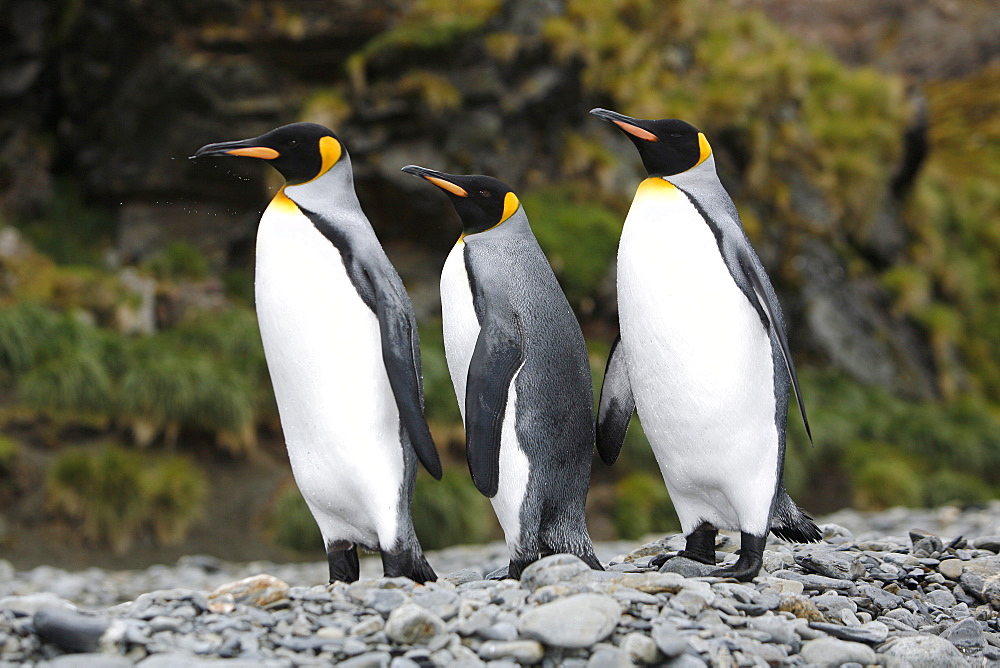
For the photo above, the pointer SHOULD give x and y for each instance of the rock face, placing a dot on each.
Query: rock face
(897, 608)
(169, 77)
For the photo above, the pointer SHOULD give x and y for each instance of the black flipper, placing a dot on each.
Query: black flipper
(616, 406)
(755, 274)
(498, 355)
(401, 354)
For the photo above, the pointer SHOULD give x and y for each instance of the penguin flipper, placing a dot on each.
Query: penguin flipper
(616, 406)
(760, 282)
(498, 355)
(401, 355)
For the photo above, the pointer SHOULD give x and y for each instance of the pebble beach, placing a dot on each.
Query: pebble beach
(902, 587)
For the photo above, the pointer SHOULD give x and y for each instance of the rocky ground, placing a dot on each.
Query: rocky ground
(903, 587)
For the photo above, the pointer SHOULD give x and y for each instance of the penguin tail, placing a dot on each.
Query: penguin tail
(791, 524)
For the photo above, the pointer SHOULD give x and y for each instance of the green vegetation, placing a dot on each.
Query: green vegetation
(116, 495)
(445, 513)
(178, 260)
(207, 374)
(579, 236)
(890, 451)
(451, 511)
(807, 146)
(290, 523)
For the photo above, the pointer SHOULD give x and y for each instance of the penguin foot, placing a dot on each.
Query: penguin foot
(700, 547)
(343, 562)
(498, 574)
(750, 562)
(410, 564)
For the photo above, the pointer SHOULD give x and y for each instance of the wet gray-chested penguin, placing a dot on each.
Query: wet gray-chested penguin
(519, 365)
(342, 349)
(702, 352)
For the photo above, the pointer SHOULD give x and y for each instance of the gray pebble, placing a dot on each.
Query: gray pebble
(640, 648)
(411, 624)
(988, 543)
(926, 651)
(575, 621)
(521, 651)
(966, 635)
(89, 661)
(669, 640)
(370, 660)
(834, 652)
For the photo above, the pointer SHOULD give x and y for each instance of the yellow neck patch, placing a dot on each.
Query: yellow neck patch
(655, 186)
(281, 202)
(706, 148)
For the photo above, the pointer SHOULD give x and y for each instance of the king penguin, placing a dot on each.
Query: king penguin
(342, 350)
(519, 366)
(702, 352)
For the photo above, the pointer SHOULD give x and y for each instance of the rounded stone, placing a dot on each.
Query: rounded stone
(640, 648)
(410, 624)
(951, 568)
(833, 652)
(926, 651)
(522, 651)
(573, 622)
(554, 569)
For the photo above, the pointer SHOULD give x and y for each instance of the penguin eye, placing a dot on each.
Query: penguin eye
(485, 193)
(292, 143)
(676, 135)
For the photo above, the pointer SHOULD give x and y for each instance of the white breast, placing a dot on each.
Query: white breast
(323, 350)
(700, 365)
(461, 331)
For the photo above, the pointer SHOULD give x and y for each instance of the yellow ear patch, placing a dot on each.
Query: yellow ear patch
(255, 152)
(510, 205)
(448, 185)
(706, 148)
(330, 151)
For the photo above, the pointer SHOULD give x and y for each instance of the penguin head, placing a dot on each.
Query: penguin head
(300, 151)
(482, 202)
(667, 146)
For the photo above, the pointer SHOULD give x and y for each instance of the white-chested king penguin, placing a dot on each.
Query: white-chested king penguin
(341, 344)
(519, 365)
(702, 352)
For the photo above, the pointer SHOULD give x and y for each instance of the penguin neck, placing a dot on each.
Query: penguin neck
(514, 227)
(701, 174)
(331, 196)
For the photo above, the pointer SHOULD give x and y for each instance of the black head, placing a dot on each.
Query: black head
(482, 202)
(300, 151)
(667, 146)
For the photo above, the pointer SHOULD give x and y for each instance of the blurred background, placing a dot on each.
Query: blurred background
(860, 141)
